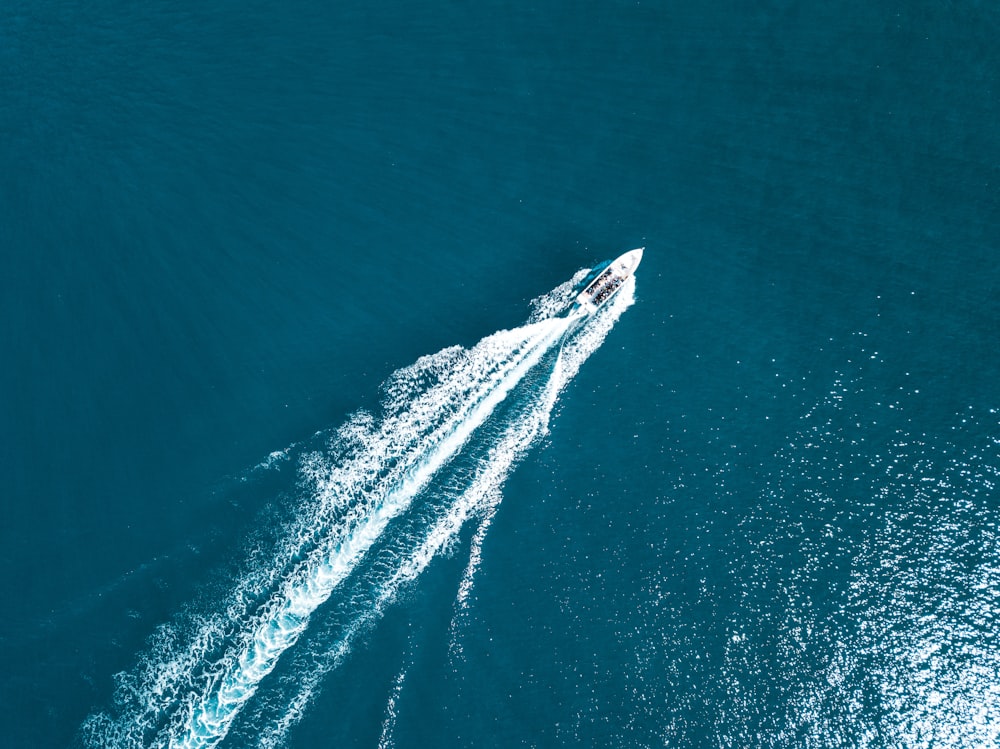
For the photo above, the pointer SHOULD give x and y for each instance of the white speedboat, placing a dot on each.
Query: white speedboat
(607, 284)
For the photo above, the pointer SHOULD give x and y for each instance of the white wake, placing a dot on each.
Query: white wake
(188, 691)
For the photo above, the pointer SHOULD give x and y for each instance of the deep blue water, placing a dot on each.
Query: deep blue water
(766, 509)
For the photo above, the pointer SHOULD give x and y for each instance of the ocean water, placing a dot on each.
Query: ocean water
(297, 451)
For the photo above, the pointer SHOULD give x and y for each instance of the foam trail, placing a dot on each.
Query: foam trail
(389, 724)
(212, 715)
(198, 686)
(482, 497)
(203, 670)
